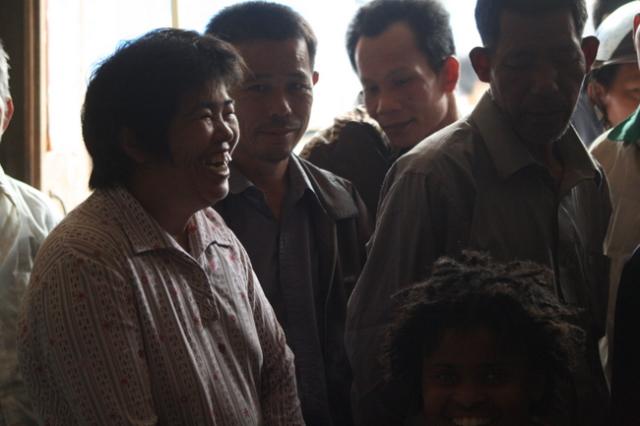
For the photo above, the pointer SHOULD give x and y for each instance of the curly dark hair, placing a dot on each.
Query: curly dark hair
(514, 300)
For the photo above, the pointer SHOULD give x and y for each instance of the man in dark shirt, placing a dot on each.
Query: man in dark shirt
(304, 228)
(512, 179)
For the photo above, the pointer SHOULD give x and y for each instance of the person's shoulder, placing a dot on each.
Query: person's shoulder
(39, 205)
(325, 178)
(450, 148)
(353, 133)
(88, 231)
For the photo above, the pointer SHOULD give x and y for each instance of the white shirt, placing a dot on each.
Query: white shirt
(25, 220)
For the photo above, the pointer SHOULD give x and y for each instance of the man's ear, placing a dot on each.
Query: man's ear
(315, 77)
(636, 23)
(596, 93)
(481, 62)
(449, 74)
(8, 113)
(590, 50)
(130, 147)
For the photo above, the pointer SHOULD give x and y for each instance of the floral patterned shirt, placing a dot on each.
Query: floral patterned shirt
(122, 326)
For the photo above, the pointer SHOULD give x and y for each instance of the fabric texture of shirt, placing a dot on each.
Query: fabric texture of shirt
(26, 217)
(307, 262)
(473, 185)
(355, 148)
(122, 326)
(619, 153)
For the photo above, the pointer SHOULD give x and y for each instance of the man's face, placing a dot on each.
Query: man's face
(201, 138)
(622, 97)
(401, 90)
(274, 103)
(6, 112)
(537, 67)
(471, 380)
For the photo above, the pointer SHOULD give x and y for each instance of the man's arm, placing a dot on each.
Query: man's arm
(401, 251)
(278, 392)
(80, 346)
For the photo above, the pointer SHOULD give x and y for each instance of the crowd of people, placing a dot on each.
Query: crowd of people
(410, 267)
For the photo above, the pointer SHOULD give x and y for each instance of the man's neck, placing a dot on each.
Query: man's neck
(269, 177)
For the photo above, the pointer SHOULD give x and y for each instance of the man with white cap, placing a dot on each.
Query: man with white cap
(612, 88)
(619, 153)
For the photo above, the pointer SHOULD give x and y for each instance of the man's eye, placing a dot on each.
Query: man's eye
(300, 87)
(257, 88)
(399, 82)
(370, 91)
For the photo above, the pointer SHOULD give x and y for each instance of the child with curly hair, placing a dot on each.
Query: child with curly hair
(484, 343)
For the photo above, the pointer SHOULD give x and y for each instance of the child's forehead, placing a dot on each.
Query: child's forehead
(478, 344)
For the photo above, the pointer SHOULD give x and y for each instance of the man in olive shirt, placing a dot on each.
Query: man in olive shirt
(513, 179)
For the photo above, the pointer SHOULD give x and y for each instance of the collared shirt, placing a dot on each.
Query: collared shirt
(619, 153)
(26, 217)
(284, 254)
(474, 185)
(122, 326)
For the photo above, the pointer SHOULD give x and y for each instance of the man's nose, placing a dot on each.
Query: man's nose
(280, 104)
(387, 102)
(544, 77)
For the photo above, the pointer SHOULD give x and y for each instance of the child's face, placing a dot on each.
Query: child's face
(469, 381)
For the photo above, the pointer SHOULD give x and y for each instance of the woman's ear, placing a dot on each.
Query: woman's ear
(130, 147)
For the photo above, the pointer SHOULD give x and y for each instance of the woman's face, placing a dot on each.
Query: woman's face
(469, 381)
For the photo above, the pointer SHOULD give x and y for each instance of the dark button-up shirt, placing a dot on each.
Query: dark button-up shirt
(284, 255)
(474, 185)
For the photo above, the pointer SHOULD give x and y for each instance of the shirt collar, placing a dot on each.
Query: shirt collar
(299, 182)
(145, 234)
(628, 131)
(509, 155)
(6, 187)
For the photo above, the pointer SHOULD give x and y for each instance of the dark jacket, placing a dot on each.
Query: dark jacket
(341, 228)
(625, 380)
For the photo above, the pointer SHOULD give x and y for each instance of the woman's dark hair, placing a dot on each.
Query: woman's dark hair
(137, 91)
(427, 19)
(514, 300)
(488, 13)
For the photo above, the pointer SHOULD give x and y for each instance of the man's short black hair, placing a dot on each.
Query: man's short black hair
(137, 91)
(602, 8)
(260, 20)
(488, 13)
(427, 19)
(515, 300)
